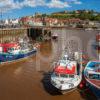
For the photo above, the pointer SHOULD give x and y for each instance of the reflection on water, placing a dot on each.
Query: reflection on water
(18, 71)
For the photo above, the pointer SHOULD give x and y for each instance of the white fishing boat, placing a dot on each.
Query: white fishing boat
(54, 35)
(67, 73)
(89, 29)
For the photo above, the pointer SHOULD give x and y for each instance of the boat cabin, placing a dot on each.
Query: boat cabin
(93, 75)
(66, 69)
(8, 47)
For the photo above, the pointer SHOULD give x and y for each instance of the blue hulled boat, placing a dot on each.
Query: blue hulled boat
(14, 51)
(92, 76)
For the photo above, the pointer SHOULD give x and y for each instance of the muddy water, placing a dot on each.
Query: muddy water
(28, 79)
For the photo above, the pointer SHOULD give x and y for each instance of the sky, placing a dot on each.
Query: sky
(19, 8)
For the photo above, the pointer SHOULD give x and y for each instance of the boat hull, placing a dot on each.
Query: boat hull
(67, 86)
(95, 90)
(93, 84)
(64, 91)
(13, 57)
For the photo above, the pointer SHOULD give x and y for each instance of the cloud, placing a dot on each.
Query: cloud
(6, 5)
(51, 4)
(57, 4)
(73, 1)
(33, 3)
(77, 2)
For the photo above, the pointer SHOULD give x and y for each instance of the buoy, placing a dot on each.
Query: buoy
(81, 85)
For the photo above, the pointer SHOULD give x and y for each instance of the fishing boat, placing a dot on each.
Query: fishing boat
(92, 76)
(88, 29)
(98, 37)
(96, 44)
(55, 36)
(67, 73)
(14, 51)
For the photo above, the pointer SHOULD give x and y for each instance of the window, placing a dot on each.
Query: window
(71, 76)
(94, 76)
(64, 75)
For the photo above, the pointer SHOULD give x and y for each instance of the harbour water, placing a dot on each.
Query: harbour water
(28, 79)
